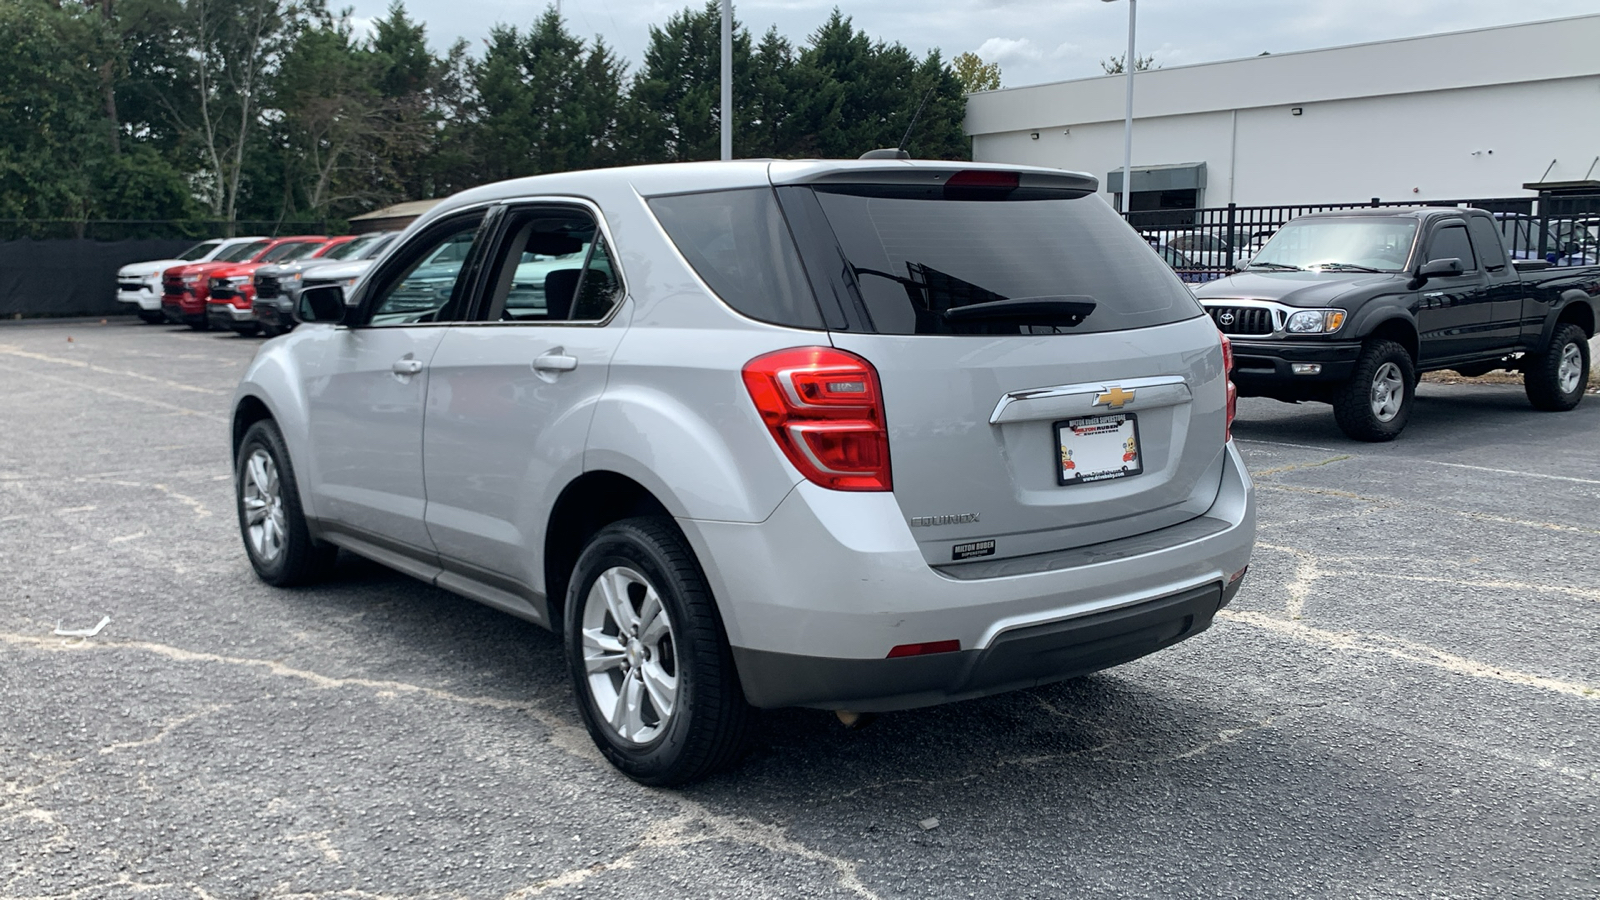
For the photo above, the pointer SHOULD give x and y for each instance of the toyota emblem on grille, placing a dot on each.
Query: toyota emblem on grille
(1225, 319)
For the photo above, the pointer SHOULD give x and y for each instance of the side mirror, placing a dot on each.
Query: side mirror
(1435, 268)
(1440, 267)
(322, 303)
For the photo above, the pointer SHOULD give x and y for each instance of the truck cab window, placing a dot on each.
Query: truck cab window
(1450, 242)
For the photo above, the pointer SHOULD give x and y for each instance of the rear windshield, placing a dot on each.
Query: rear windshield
(198, 251)
(915, 257)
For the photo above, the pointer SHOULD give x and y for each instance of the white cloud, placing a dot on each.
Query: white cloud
(1004, 50)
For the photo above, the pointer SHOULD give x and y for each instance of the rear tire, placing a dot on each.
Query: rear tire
(1375, 403)
(276, 536)
(655, 681)
(1556, 379)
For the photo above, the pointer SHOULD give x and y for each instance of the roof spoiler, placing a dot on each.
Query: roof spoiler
(923, 173)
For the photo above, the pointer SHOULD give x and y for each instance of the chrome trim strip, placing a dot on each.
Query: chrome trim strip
(1053, 402)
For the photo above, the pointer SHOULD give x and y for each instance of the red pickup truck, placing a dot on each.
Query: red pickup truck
(231, 289)
(184, 289)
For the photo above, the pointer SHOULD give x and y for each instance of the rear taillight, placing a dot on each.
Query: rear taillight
(1233, 392)
(825, 409)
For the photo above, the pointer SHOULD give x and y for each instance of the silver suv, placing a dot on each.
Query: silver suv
(859, 436)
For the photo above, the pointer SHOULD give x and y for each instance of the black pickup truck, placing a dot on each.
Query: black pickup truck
(1350, 308)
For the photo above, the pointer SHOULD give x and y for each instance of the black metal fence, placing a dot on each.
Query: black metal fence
(1203, 244)
(68, 267)
(147, 229)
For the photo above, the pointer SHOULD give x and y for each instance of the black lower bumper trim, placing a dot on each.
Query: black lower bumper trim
(1267, 370)
(1020, 658)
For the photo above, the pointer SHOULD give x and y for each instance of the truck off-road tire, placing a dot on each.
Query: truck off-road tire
(276, 536)
(269, 331)
(1556, 379)
(654, 678)
(152, 317)
(1376, 402)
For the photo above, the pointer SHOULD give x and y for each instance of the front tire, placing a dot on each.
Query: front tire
(1555, 379)
(654, 678)
(276, 536)
(152, 317)
(1375, 403)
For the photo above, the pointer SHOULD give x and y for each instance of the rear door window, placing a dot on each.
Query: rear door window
(552, 265)
(1486, 240)
(914, 258)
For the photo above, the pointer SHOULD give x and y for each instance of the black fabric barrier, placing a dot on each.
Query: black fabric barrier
(72, 277)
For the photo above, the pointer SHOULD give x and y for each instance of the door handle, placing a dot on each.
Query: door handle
(555, 361)
(407, 366)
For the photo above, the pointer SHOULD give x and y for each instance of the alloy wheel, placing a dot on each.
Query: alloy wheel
(629, 655)
(1388, 391)
(1571, 368)
(263, 505)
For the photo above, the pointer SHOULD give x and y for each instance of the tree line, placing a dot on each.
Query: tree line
(277, 110)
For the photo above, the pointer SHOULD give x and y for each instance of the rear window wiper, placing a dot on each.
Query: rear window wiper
(1276, 267)
(1048, 310)
(1345, 267)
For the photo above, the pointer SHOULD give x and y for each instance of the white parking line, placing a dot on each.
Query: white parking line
(1285, 444)
(1519, 474)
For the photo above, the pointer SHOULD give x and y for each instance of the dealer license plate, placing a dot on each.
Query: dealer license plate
(1097, 448)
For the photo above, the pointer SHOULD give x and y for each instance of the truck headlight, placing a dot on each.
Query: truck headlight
(189, 279)
(1315, 321)
(236, 280)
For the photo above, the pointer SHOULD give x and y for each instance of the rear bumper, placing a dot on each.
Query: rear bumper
(815, 597)
(1263, 368)
(1021, 658)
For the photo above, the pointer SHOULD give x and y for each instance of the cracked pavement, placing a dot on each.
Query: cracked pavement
(1404, 700)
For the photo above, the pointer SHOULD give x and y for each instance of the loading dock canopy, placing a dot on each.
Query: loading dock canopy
(1176, 177)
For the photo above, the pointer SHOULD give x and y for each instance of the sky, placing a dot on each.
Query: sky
(1034, 41)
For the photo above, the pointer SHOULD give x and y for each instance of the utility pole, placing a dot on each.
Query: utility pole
(1127, 122)
(727, 79)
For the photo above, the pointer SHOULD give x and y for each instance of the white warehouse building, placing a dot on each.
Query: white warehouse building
(1490, 113)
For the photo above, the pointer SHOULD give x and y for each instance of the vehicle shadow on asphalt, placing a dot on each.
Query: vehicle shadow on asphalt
(1452, 415)
(1093, 754)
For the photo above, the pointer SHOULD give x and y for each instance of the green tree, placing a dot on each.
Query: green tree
(545, 102)
(975, 74)
(52, 129)
(329, 117)
(857, 94)
(1117, 65)
(233, 49)
(676, 97)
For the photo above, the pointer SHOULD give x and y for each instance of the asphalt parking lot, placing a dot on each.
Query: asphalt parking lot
(1404, 700)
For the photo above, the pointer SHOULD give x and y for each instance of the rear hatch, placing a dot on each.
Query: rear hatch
(1048, 382)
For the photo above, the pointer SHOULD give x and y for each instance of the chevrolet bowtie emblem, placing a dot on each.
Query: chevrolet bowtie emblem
(1114, 398)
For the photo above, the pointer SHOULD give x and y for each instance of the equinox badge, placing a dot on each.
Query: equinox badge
(957, 519)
